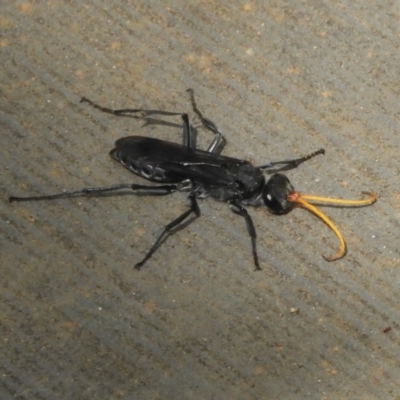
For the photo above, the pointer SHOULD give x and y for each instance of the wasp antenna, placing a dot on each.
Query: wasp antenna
(300, 199)
(363, 202)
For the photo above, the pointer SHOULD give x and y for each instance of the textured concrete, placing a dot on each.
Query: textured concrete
(280, 79)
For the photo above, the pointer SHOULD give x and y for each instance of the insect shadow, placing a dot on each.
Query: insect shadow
(182, 167)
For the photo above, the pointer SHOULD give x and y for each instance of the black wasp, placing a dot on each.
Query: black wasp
(183, 168)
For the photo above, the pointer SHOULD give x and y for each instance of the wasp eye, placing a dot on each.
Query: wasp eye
(275, 194)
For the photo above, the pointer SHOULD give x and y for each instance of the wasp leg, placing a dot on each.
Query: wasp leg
(219, 141)
(126, 111)
(188, 139)
(145, 114)
(160, 190)
(237, 209)
(290, 164)
(194, 208)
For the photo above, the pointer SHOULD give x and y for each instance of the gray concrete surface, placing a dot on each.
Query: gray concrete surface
(281, 79)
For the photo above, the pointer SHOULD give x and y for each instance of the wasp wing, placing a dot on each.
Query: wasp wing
(171, 162)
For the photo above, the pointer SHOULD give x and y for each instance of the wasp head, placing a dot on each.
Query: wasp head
(280, 197)
(276, 193)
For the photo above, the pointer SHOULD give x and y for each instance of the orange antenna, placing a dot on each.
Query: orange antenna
(301, 199)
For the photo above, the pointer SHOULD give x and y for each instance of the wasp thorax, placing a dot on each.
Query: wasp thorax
(276, 192)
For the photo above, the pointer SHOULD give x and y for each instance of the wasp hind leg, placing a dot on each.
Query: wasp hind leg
(160, 190)
(126, 112)
(141, 113)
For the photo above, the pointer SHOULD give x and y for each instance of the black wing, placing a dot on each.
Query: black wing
(224, 178)
(162, 150)
(175, 159)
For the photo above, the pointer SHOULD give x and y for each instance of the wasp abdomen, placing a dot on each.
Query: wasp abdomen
(139, 167)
